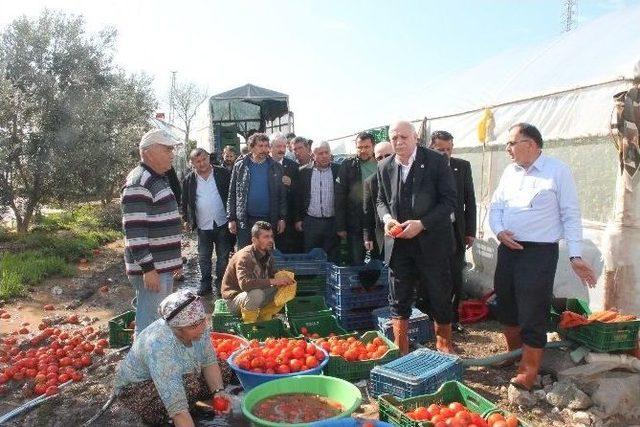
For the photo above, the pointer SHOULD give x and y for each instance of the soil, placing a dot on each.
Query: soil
(84, 294)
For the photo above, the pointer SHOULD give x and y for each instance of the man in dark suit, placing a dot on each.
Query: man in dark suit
(205, 190)
(416, 198)
(291, 241)
(464, 219)
(315, 202)
(353, 171)
(372, 227)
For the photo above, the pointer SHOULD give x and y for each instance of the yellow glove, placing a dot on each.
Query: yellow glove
(284, 294)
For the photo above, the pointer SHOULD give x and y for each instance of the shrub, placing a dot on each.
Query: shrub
(28, 268)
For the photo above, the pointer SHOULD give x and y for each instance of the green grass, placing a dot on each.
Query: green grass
(54, 242)
(29, 268)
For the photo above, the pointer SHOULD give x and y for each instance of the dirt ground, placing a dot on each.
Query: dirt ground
(81, 295)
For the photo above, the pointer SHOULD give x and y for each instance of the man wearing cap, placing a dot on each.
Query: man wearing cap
(171, 365)
(152, 226)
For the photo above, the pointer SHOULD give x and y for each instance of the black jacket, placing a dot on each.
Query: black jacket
(372, 226)
(303, 189)
(465, 211)
(189, 186)
(349, 195)
(433, 196)
(292, 170)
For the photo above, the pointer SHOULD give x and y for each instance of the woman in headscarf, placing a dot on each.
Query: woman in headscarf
(171, 364)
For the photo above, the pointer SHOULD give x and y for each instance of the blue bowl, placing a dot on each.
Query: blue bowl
(349, 422)
(249, 379)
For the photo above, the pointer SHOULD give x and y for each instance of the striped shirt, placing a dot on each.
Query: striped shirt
(151, 223)
(321, 203)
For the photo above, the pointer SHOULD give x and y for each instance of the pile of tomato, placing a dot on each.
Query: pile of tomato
(225, 346)
(305, 332)
(457, 415)
(279, 356)
(44, 367)
(352, 349)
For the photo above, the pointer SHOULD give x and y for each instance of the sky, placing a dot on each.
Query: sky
(346, 65)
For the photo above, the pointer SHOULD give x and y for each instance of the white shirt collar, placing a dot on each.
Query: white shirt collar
(411, 158)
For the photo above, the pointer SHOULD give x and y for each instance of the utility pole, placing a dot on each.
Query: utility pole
(569, 13)
(172, 93)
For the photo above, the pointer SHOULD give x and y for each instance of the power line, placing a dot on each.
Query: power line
(172, 95)
(569, 14)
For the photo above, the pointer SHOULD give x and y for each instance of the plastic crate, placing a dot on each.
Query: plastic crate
(419, 372)
(359, 370)
(260, 331)
(393, 409)
(321, 325)
(304, 306)
(420, 325)
(351, 298)
(221, 307)
(355, 319)
(222, 322)
(598, 336)
(312, 263)
(349, 277)
(120, 334)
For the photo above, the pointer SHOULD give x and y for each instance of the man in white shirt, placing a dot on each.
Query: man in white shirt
(204, 208)
(534, 206)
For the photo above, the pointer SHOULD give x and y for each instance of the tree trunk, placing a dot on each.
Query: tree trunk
(620, 247)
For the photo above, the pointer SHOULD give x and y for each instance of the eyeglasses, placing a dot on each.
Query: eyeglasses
(178, 309)
(513, 143)
(384, 156)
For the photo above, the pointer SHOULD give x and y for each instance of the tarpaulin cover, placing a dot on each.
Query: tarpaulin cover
(249, 103)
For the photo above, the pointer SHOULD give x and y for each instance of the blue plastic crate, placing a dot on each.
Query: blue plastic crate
(420, 372)
(420, 325)
(309, 264)
(347, 299)
(348, 277)
(352, 320)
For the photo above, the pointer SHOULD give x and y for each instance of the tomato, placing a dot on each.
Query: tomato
(446, 413)
(63, 378)
(48, 307)
(422, 413)
(102, 343)
(512, 421)
(52, 381)
(258, 362)
(86, 360)
(295, 365)
(40, 378)
(4, 378)
(304, 330)
(283, 369)
(396, 230)
(77, 376)
(499, 423)
(51, 390)
(40, 388)
(100, 351)
(220, 404)
(493, 418)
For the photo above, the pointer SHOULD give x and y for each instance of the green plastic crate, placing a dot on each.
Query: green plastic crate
(221, 322)
(120, 334)
(598, 336)
(301, 306)
(354, 371)
(221, 307)
(321, 325)
(260, 331)
(393, 409)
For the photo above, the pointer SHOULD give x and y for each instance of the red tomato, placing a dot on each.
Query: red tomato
(311, 362)
(220, 404)
(456, 406)
(77, 376)
(304, 330)
(100, 351)
(283, 369)
(297, 352)
(102, 343)
(63, 378)
(295, 365)
(512, 421)
(51, 390)
(422, 413)
(40, 388)
(446, 413)
(85, 360)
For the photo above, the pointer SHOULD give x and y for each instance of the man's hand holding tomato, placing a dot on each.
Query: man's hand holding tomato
(406, 230)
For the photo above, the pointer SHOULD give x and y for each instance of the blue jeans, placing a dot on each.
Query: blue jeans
(147, 301)
(219, 237)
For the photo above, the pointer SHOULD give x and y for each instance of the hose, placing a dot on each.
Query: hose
(101, 411)
(497, 358)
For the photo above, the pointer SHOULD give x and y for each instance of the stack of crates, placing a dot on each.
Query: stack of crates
(351, 299)
(310, 270)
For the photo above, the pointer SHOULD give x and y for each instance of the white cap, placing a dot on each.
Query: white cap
(158, 136)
